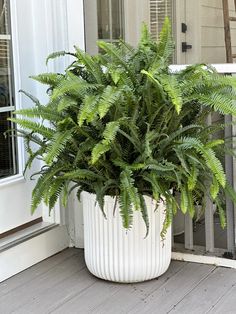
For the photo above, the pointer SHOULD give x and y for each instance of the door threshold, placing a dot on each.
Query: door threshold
(25, 234)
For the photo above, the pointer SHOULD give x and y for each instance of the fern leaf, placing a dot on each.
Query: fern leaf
(165, 45)
(52, 79)
(58, 54)
(109, 98)
(192, 179)
(31, 97)
(144, 212)
(57, 145)
(214, 188)
(110, 131)
(99, 150)
(221, 214)
(88, 110)
(127, 184)
(172, 89)
(41, 112)
(35, 127)
(92, 65)
(215, 166)
(184, 200)
(125, 209)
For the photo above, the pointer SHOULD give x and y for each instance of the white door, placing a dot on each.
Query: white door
(29, 31)
(203, 31)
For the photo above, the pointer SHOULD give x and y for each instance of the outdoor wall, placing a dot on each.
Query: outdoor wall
(212, 31)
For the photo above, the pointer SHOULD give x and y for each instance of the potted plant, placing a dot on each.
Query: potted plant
(130, 134)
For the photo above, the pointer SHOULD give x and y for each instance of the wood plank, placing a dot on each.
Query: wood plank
(33, 272)
(53, 298)
(128, 295)
(174, 290)
(208, 293)
(24, 294)
(86, 301)
(226, 304)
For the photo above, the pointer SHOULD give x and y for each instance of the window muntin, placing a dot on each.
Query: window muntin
(8, 164)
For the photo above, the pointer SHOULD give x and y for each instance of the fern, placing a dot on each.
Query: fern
(52, 79)
(109, 97)
(122, 124)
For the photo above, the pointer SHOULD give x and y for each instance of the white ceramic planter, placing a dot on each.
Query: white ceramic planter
(114, 254)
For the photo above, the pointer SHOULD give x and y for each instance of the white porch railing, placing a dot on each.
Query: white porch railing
(210, 253)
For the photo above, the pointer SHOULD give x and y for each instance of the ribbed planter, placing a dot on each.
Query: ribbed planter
(114, 254)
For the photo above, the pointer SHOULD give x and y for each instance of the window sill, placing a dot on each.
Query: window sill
(24, 235)
(12, 180)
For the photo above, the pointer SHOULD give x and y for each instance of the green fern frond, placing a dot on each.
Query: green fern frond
(88, 110)
(125, 209)
(184, 201)
(219, 102)
(214, 188)
(57, 144)
(166, 45)
(91, 65)
(58, 54)
(191, 208)
(144, 212)
(52, 79)
(127, 183)
(31, 97)
(42, 112)
(54, 193)
(214, 143)
(110, 131)
(215, 166)
(99, 150)
(74, 86)
(221, 213)
(67, 103)
(81, 174)
(192, 179)
(172, 89)
(35, 127)
(109, 98)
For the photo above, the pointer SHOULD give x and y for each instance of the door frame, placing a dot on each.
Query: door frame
(189, 12)
(32, 245)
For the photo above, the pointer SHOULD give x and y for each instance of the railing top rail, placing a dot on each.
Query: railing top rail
(221, 68)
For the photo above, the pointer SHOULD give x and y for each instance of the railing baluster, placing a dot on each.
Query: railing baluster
(188, 233)
(209, 225)
(229, 203)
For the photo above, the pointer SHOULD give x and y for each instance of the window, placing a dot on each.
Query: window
(159, 9)
(110, 20)
(8, 164)
(104, 20)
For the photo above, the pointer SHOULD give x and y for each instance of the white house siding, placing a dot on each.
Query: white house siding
(212, 31)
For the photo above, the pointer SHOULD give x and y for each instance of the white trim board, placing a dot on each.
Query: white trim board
(220, 68)
(201, 259)
(32, 251)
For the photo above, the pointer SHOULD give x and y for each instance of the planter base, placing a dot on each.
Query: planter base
(114, 254)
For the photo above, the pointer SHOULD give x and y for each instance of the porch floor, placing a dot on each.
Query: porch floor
(62, 284)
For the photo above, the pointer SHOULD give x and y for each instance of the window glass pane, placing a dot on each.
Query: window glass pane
(117, 19)
(103, 19)
(159, 9)
(5, 77)
(8, 164)
(7, 148)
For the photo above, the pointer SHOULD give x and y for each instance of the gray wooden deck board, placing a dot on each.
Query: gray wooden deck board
(62, 284)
